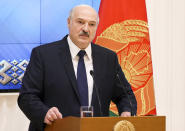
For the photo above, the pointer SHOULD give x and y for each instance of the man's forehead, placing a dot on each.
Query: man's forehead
(86, 19)
(89, 18)
(84, 12)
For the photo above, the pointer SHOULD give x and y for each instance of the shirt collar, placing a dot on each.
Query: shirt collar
(75, 49)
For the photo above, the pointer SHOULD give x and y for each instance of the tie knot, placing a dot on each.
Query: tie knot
(81, 53)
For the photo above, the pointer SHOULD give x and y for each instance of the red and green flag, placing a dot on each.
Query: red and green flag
(123, 28)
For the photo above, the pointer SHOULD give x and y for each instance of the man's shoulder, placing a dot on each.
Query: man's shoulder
(52, 45)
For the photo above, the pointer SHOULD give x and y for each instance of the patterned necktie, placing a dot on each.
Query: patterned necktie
(82, 79)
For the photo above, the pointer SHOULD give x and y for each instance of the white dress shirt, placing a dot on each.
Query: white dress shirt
(88, 64)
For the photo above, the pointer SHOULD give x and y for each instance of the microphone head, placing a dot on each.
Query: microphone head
(91, 72)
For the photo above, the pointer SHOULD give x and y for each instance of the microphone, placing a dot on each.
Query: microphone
(124, 87)
(97, 93)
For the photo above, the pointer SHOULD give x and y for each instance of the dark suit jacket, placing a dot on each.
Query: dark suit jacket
(50, 81)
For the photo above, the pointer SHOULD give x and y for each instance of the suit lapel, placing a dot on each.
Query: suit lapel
(68, 65)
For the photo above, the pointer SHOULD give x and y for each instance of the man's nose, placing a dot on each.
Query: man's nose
(86, 27)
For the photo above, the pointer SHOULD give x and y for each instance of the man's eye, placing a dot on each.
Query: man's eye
(80, 22)
(92, 24)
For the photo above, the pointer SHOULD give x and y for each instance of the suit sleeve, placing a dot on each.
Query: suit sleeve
(31, 92)
(123, 95)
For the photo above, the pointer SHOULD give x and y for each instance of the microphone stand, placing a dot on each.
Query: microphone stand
(97, 93)
(125, 91)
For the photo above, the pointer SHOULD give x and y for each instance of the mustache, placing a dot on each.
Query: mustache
(84, 33)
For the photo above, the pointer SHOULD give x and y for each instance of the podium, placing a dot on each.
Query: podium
(139, 123)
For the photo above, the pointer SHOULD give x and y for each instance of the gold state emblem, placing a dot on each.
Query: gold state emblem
(130, 40)
(124, 125)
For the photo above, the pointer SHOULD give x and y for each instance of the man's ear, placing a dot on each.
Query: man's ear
(68, 21)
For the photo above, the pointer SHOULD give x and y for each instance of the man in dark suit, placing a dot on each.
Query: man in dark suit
(52, 82)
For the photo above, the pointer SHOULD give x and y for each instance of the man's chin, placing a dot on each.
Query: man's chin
(84, 41)
(83, 44)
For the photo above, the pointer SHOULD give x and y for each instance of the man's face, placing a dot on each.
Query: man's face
(82, 26)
